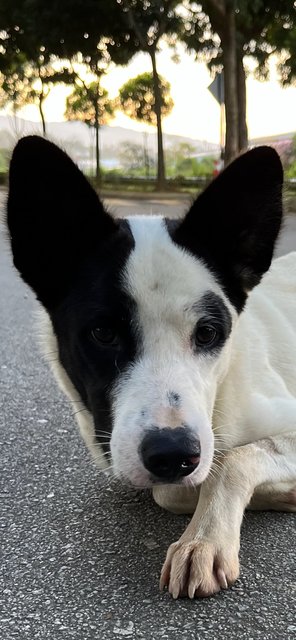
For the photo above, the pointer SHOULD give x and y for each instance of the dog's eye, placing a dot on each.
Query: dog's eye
(105, 336)
(205, 335)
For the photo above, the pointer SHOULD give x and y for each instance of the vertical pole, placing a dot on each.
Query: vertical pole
(222, 117)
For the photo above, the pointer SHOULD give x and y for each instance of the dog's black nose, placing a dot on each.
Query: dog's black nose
(170, 454)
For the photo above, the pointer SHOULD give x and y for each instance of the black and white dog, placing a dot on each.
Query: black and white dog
(188, 383)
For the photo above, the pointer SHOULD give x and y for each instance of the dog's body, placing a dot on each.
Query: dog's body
(184, 384)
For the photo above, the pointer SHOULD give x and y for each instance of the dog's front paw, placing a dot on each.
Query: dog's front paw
(198, 568)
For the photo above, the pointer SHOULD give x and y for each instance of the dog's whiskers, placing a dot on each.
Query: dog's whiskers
(104, 455)
(79, 411)
(101, 431)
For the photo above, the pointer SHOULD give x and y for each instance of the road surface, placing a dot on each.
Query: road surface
(81, 556)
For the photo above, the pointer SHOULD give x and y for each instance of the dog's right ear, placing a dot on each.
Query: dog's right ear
(55, 218)
(233, 225)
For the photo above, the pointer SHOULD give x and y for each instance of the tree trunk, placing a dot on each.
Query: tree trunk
(146, 155)
(40, 106)
(98, 170)
(97, 145)
(157, 97)
(242, 102)
(230, 86)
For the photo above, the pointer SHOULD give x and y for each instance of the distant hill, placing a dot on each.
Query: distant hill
(77, 138)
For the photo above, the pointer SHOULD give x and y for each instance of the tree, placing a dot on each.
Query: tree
(23, 82)
(81, 26)
(14, 86)
(94, 29)
(149, 21)
(206, 21)
(86, 32)
(254, 21)
(281, 37)
(137, 98)
(90, 104)
(225, 32)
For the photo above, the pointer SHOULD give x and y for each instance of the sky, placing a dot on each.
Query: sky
(271, 109)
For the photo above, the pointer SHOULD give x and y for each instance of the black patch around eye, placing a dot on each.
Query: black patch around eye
(225, 277)
(206, 335)
(97, 300)
(214, 325)
(105, 336)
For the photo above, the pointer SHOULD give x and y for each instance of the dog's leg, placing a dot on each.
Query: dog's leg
(205, 559)
(275, 497)
(177, 499)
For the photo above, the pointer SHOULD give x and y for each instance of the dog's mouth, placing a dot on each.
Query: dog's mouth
(140, 479)
(192, 473)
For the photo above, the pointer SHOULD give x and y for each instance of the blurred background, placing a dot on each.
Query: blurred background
(150, 94)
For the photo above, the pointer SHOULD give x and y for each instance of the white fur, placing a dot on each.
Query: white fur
(166, 282)
(257, 398)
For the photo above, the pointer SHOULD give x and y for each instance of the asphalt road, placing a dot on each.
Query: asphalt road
(80, 556)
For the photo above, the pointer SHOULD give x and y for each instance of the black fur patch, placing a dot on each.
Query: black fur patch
(212, 310)
(71, 252)
(97, 300)
(234, 223)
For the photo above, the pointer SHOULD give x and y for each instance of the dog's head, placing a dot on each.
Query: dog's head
(142, 310)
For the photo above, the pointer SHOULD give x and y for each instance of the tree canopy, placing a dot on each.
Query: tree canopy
(137, 98)
(87, 27)
(35, 34)
(224, 32)
(89, 104)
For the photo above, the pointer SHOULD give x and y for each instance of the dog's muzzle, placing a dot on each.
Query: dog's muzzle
(170, 454)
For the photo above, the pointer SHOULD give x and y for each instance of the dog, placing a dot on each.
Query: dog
(177, 339)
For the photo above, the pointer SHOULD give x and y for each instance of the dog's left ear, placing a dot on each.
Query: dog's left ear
(234, 223)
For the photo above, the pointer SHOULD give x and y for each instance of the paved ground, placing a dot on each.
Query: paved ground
(81, 557)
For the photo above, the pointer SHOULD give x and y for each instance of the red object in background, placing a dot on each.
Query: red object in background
(218, 166)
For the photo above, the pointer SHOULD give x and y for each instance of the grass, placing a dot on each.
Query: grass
(290, 201)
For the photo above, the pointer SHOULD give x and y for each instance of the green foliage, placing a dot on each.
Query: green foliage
(25, 82)
(96, 29)
(291, 171)
(182, 162)
(134, 159)
(289, 160)
(14, 86)
(137, 98)
(150, 20)
(89, 104)
(3, 161)
(281, 35)
(262, 28)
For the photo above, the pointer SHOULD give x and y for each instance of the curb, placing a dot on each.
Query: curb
(151, 195)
